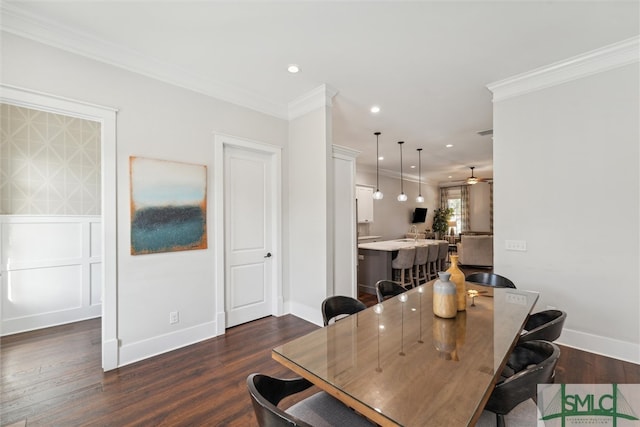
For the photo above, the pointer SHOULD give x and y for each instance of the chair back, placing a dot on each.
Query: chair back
(443, 250)
(545, 325)
(387, 289)
(404, 259)
(266, 392)
(338, 305)
(432, 253)
(490, 279)
(530, 363)
(421, 255)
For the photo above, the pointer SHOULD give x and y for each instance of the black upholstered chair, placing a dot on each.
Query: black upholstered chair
(320, 409)
(530, 363)
(387, 289)
(490, 279)
(338, 305)
(544, 325)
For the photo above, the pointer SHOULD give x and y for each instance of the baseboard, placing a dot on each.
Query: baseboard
(109, 354)
(604, 346)
(145, 349)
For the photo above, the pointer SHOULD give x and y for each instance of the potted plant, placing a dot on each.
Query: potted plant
(441, 221)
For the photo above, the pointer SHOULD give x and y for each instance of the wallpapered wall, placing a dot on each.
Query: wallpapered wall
(49, 163)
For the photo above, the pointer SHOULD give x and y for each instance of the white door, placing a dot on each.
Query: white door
(248, 190)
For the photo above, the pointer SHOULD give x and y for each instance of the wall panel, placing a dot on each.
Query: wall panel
(51, 270)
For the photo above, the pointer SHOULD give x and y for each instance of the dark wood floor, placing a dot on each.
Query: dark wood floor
(52, 377)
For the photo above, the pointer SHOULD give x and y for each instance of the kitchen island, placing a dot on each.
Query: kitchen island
(374, 260)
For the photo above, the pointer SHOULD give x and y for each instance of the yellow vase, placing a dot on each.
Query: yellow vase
(457, 277)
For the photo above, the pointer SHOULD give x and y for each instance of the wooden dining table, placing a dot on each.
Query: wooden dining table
(397, 363)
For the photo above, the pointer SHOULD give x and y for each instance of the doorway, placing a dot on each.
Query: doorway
(106, 117)
(247, 176)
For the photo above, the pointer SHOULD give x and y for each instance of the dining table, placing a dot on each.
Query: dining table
(398, 364)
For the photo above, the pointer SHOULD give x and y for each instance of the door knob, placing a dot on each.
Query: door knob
(268, 255)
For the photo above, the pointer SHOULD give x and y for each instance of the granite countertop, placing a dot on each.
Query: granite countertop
(368, 237)
(394, 245)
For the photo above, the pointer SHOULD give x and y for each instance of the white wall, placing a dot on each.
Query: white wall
(566, 169)
(154, 120)
(309, 188)
(391, 218)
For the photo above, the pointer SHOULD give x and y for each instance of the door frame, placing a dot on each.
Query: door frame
(106, 116)
(275, 154)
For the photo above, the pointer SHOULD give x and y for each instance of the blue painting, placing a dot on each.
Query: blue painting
(168, 206)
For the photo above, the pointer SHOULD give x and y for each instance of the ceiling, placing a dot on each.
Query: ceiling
(425, 63)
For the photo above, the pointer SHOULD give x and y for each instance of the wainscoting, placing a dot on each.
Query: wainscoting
(51, 270)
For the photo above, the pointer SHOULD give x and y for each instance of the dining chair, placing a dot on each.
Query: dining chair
(490, 279)
(402, 266)
(387, 289)
(543, 325)
(340, 305)
(530, 363)
(320, 409)
(420, 265)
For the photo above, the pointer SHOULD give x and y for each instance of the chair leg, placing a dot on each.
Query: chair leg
(499, 420)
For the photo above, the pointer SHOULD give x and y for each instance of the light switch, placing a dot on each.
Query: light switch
(515, 245)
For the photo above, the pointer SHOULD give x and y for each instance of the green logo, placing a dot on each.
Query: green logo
(588, 404)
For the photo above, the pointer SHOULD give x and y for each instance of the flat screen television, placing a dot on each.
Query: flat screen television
(419, 215)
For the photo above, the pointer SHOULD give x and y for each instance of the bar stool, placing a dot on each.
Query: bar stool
(420, 265)
(443, 252)
(402, 265)
(432, 261)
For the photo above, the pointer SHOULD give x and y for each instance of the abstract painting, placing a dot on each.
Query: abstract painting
(168, 206)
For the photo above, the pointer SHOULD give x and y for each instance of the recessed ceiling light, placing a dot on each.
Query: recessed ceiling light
(293, 68)
(449, 145)
(413, 166)
(381, 158)
(375, 109)
(450, 177)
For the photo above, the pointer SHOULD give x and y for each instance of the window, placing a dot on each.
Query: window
(454, 201)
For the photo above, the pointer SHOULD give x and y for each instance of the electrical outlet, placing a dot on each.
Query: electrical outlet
(173, 317)
(515, 245)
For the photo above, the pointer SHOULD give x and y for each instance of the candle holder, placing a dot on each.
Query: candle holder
(420, 291)
(473, 294)
(403, 299)
(378, 309)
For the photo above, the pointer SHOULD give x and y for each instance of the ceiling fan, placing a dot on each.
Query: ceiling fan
(473, 179)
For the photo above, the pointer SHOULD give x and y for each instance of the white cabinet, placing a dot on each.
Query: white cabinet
(364, 195)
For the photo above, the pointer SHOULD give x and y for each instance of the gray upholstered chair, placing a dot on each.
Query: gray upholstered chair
(402, 266)
(476, 250)
(318, 410)
(443, 253)
(420, 265)
(432, 261)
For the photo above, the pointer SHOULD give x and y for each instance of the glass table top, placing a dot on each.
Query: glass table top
(398, 363)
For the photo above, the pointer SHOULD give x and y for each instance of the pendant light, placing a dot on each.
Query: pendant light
(419, 199)
(378, 194)
(401, 197)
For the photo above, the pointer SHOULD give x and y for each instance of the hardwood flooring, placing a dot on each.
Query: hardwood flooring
(52, 377)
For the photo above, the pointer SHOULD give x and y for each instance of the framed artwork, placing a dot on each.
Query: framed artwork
(168, 206)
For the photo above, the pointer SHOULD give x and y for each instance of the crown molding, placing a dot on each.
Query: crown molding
(17, 21)
(343, 152)
(606, 58)
(322, 96)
